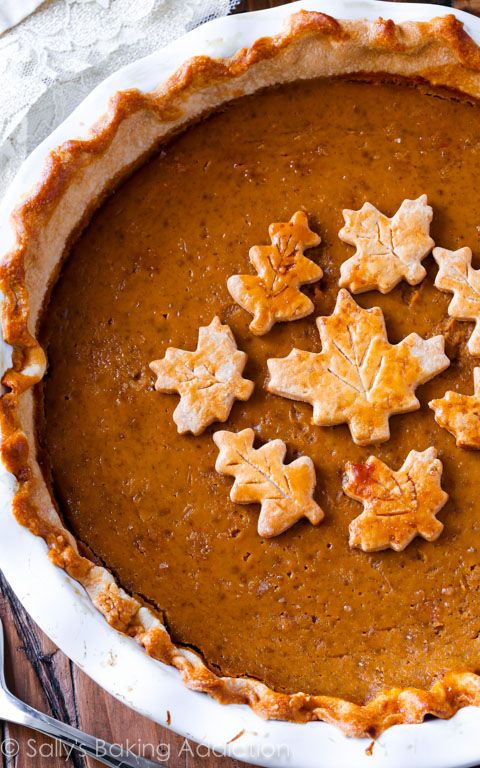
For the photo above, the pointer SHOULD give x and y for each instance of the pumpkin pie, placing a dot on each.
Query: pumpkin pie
(217, 257)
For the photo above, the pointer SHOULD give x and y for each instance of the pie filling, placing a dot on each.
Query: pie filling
(302, 611)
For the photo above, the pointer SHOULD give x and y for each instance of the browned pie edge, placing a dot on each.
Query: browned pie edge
(77, 177)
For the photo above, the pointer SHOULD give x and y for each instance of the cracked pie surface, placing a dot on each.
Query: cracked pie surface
(217, 408)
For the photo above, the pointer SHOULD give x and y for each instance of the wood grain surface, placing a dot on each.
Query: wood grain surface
(41, 675)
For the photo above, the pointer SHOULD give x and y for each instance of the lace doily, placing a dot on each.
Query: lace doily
(57, 55)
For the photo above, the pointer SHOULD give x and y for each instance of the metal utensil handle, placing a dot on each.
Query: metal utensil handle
(109, 754)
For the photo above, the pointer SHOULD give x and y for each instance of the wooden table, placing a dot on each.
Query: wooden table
(42, 675)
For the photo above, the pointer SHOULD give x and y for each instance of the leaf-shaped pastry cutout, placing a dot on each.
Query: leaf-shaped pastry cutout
(456, 275)
(273, 295)
(358, 378)
(283, 490)
(388, 250)
(397, 505)
(460, 414)
(208, 379)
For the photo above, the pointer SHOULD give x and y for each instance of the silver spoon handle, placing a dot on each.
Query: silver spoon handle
(108, 754)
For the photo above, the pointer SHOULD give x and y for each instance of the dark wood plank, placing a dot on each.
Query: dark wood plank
(41, 675)
(258, 5)
(473, 6)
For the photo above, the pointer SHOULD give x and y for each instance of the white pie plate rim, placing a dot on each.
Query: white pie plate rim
(61, 607)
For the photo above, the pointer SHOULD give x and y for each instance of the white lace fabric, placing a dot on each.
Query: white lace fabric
(51, 60)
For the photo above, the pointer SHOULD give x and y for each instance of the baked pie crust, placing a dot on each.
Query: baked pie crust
(273, 295)
(456, 275)
(388, 249)
(77, 177)
(358, 377)
(460, 414)
(208, 379)
(397, 505)
(284, 491)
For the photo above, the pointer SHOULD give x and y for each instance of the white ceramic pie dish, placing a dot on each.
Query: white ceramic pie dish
(60, 606)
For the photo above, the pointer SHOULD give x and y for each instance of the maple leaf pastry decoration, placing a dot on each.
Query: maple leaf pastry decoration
(208, 379)
(397, 505)
(460, 414)
(456, 275)
(388, 250)
(273, 294)
(283, 490)
(358, 378)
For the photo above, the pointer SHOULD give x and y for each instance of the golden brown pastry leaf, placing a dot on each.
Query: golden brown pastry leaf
(208, 379)
(460, 414)
(284, 491)
(358, 378)
(456, 275)
(273, 295)
(397, 505)
(388, 250)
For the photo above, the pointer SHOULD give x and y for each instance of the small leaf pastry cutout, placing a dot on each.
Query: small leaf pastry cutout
(284, 491)
(358, 378)
(208, 380)
(388, 250)
(460, 414)
(273, 295)
(397, 505)
(456, 275)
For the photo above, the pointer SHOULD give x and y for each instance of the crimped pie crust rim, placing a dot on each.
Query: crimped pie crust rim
(440, 53)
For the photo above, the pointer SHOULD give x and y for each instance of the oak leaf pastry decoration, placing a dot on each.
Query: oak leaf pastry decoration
(460, 414)
(388, 249)
(283, 490)
(208, 379)
(456, 275)
(273, 294)
(397, 505)
(358, 378)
